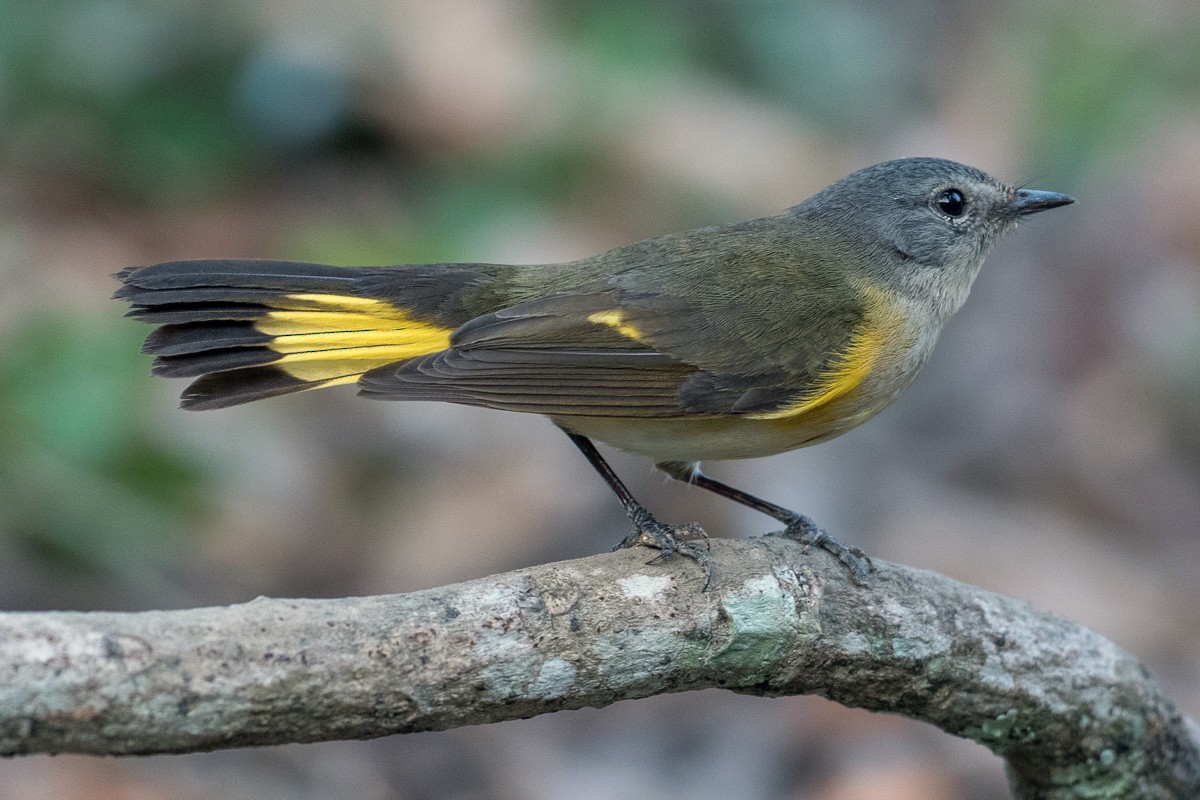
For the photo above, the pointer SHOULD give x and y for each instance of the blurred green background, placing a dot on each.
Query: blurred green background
(1050, 451)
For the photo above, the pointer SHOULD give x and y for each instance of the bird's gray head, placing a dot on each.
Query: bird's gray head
(923, 224)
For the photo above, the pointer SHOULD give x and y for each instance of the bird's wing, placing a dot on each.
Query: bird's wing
(604, 350)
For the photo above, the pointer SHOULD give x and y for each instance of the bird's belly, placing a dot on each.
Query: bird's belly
(701, 438)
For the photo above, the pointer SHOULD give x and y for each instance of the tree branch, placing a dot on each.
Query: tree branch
(1073, 714)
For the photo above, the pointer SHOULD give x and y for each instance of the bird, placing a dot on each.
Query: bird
(728, 342)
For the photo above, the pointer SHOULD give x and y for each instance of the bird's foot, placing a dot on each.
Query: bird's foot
(670, 540)
(804, 530)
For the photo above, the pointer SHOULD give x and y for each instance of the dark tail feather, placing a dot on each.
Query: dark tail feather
(225, 389)
(253, 329)
(291, 276)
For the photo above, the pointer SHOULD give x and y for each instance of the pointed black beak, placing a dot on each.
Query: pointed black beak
(1031, 201)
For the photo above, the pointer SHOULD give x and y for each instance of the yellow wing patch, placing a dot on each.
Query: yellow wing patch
(615, 319)
(881, 325)
(343, 336)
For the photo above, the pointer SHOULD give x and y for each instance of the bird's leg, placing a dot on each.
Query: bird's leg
(647, 529)
(798, 527)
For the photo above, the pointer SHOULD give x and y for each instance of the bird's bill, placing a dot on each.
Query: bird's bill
(1031, 201)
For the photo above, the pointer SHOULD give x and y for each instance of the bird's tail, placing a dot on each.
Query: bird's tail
(253, 329)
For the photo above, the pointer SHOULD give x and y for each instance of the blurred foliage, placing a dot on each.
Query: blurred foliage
(134, 95)
(642, 41)
(812, 56)
(86, 480)
(1107, 75)
(154, 99)
(808, 57)
(459, 207)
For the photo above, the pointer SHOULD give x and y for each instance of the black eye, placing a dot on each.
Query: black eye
(951, 202)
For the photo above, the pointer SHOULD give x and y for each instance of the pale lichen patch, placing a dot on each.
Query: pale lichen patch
(644, 587)
(555, 679)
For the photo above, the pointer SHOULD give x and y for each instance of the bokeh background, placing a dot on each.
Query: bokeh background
(1050, 450)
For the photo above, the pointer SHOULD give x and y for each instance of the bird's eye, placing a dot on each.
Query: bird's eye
(951, 202)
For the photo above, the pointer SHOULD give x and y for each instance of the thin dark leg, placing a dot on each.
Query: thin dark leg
(632, 506)
(798, 525)
(647, 529)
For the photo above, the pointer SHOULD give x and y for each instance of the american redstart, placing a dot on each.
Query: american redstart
(734, 341)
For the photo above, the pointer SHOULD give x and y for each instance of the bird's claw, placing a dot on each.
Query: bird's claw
(807, 532)
(670, 540)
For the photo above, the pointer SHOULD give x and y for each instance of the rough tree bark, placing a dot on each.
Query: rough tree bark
(1073, 715)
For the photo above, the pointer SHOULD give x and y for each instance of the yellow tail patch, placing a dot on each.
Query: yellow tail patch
(342, 337)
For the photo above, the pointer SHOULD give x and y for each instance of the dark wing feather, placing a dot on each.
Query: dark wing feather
(544, 356)
(541, 381)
